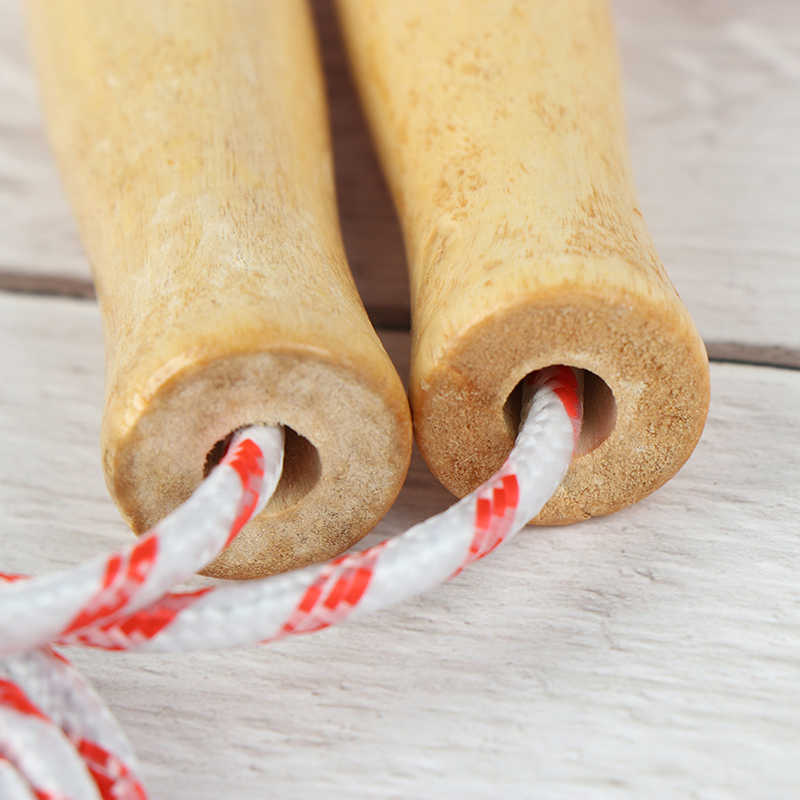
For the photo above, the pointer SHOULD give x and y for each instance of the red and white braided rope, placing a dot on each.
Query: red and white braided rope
(122, 602)
(77, 743)
(54, 607)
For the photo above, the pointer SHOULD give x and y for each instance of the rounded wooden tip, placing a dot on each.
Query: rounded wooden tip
(203, 183)
(645, 402)
(502, 136)
(347, 453)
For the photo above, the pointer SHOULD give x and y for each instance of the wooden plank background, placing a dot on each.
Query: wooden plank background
(654, 653)
(711, 90)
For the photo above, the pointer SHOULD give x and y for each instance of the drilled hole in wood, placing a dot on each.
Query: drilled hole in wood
(301, 469)
(599, 412)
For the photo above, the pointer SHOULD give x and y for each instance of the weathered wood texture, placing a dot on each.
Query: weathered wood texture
(38, 236)
(713, 114)
(219, 230)
(654, 653)
(506, 157)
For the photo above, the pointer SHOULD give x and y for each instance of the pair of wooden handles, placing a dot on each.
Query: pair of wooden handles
(193, 141)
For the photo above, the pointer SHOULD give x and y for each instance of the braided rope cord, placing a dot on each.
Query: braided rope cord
(58, 741)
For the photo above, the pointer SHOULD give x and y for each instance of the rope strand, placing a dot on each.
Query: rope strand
(123, 602)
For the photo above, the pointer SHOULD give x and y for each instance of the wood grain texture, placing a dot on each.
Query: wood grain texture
(655, 653)
(501, 133)
(712, 112)
(38, 235)
(193, 143)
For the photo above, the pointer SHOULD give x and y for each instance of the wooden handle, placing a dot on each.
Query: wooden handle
(500, 128)
(193, 141)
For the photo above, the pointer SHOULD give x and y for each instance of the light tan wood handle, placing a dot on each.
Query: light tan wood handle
(500, 128)
(193, 140)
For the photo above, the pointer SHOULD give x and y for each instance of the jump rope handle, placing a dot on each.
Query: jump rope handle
(500, 130)
(195, 150)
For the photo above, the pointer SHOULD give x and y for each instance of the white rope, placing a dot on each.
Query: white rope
(119, 602)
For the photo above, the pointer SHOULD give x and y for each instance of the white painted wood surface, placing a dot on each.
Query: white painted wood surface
(713, 110)
(37, 232)
(714, 115)
(655, 653)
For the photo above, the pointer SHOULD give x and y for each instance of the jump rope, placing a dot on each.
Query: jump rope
(219, 265)
(57, 738)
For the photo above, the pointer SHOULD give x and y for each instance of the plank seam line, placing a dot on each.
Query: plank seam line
(397, 320)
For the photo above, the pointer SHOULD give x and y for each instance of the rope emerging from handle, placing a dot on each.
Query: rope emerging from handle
(57, 739)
